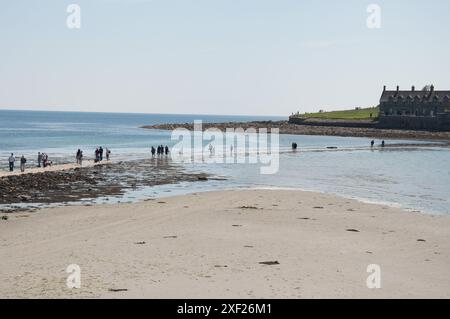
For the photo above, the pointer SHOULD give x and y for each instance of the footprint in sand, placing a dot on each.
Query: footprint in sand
(140, 243)
(170, 236)
(352, 230)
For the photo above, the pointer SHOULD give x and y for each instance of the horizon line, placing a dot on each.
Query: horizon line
(141, 113)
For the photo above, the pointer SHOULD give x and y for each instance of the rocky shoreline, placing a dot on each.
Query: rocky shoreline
(110, 179)
(296, 129)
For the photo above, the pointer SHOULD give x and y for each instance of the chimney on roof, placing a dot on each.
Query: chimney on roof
(432, 88)
(413, 88)
(398, 88)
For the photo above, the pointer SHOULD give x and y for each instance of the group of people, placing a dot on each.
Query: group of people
(43, 160)
(99, 154)
(372, 143)
(160, 150)
(79, 157)
(12, 160)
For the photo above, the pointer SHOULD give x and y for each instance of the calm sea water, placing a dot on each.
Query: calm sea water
(415, 178)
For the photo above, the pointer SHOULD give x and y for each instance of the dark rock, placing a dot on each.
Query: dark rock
(269, 263)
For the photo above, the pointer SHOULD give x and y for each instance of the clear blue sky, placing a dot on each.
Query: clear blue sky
(265, 57)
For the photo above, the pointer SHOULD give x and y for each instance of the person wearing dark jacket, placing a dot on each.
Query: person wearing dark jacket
(23, 160)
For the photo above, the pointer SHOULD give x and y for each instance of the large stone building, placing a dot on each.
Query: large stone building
(426, 109)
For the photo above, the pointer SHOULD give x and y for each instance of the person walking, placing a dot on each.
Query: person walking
(167, 150)
(382, 143)
(39, 159)
(23, 160)
(153, 151)
(77, 156)
(11, 161)
(372, 143)
(210, 149)
(100, 150)
(108, 152)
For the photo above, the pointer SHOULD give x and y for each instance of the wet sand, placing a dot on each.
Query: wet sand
(233, 244)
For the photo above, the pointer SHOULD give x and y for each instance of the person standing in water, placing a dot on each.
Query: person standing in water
(153, 151)
(371, 143)
(382, 143)
(23, 160)
(11, 161)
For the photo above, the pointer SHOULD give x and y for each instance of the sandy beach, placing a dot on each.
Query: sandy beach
(233, 244)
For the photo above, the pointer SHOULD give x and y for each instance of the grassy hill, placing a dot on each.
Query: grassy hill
(355, 114)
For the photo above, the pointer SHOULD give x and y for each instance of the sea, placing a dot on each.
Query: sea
(413, 175)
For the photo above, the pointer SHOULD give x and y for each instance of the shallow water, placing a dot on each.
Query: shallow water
(413, 177)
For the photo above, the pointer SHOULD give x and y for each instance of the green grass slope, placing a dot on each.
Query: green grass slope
(355, 114)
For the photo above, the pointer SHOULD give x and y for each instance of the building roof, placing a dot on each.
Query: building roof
(422, 95)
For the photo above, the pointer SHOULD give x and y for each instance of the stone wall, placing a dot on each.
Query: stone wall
(428, 123)
(329, 122)
(422, 123)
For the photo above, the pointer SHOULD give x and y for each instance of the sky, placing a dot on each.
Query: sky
(248, 57)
